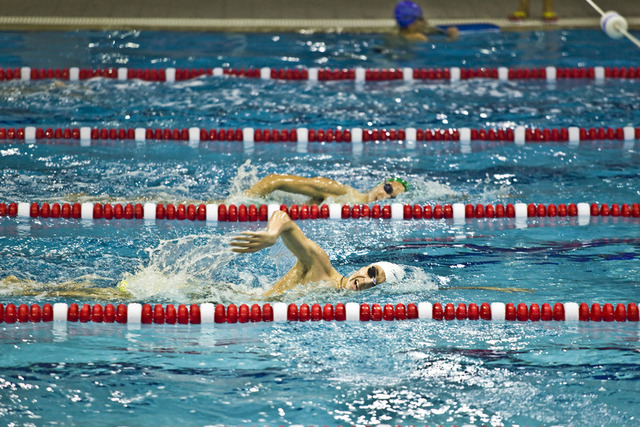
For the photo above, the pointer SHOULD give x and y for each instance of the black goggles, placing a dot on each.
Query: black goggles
(388, 188)
(371, 272)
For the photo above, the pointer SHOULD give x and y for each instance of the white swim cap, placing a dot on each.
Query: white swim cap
(393, 272)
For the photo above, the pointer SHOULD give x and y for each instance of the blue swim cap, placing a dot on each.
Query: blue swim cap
(406, 13)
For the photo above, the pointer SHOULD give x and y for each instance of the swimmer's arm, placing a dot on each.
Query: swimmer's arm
(318, 187)
(307, 251)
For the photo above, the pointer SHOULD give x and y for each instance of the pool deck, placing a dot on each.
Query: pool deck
(286, 15)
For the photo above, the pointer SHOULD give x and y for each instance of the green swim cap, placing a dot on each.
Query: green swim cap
(404, 183)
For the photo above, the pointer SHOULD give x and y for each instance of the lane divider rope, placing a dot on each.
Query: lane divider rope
(242, 213)
(208, 313)
(357, 74)
(517, 134)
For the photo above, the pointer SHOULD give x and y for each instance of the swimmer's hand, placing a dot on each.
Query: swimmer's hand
(453, 33)
(253, 241)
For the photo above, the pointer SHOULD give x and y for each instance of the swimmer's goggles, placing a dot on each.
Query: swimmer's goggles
(389, 189)
(371, 272)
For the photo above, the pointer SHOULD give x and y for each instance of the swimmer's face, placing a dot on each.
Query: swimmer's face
(365, 278)
(386, 190)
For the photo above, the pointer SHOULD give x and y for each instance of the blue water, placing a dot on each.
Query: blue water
(213, 102)
(412, 372)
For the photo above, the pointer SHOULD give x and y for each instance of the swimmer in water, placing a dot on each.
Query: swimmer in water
(412, 24)
(320, 188)
(313, 264)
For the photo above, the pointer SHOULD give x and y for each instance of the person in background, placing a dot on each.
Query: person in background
(320, 188)
(412, 24)
(523, 11)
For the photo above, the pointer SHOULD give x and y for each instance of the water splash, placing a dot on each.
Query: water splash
(415, 280)
(425, 190)
(194, 268)
(246, 176)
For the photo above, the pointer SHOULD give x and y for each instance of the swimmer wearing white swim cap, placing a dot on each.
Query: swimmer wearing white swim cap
(313, 265)
(320, 188)
(372, 275)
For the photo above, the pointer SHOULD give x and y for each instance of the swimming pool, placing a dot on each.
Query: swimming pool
(319, 372)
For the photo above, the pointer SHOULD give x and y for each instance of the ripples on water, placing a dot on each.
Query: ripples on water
(212, 102)
(370, 373)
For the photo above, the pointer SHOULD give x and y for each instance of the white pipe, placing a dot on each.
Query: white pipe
(633, 39)
(596, 7)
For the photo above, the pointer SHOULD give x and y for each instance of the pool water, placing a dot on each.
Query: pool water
(319, 373)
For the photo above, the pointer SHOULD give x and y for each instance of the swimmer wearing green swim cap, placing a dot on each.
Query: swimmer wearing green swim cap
(320, 188)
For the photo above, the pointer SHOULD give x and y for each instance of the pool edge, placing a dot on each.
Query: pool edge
(66, 23)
